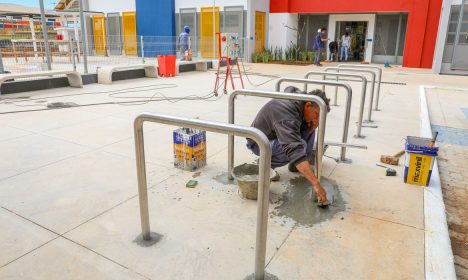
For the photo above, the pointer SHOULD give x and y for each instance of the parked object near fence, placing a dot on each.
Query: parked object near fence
(167, 65)
(247, 176)
(189, 149)
(419, 159)
(105, 73)
(74, 78)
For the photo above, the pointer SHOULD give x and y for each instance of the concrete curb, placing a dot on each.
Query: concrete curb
(58, 82)
(438, 256)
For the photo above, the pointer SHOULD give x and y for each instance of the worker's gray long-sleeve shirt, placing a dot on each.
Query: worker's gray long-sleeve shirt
(283, 120)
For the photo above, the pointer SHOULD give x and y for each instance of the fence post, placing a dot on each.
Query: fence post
(72, 50)
(142, 47)
(84, 38)
(2, 69)
(45, 34)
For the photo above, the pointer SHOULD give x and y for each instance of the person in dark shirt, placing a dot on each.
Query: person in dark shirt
(290, 126)
(319, 44)
(333, 46)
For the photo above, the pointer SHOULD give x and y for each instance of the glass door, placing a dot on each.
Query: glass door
(357, 30)
(460, 47)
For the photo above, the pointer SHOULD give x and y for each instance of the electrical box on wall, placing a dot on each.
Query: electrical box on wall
(230, 46)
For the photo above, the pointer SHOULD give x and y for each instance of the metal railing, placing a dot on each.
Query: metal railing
(363, 92)
(288, 96)
(349, 97)
(230, 129)
(368, 67)
(354, 70)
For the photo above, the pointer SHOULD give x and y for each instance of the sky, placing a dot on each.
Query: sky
(48, 4)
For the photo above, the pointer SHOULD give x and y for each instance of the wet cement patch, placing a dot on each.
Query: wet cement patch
(268, 276)
(223, 179)
(298, 202)
(155, 238)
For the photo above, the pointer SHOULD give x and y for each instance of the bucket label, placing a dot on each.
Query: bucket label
(419, 168)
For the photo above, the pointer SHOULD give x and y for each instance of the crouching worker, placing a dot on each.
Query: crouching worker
(290, 126)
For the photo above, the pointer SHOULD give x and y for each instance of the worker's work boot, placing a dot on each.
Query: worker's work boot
(292, 168)
(276, 177)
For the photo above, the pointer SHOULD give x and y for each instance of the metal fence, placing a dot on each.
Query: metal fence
(26, 55)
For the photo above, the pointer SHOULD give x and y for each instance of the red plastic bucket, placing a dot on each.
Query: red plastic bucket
(167, 65)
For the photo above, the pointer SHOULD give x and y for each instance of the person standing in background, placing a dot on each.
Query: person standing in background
(183, 43)
(319, 44)
(345, 44)
(333, 46)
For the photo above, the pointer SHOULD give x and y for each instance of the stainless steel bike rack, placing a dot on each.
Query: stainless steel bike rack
(349, 98)
(230, 129)
(354, 70)
(288, 96)
(368, 67)
(363, 92)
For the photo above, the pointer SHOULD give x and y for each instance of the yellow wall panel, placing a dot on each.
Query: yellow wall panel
(99, 31)
(206, 31)
(260, 31)
(129, 33)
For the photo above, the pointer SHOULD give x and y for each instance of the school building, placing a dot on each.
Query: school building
(412, 33)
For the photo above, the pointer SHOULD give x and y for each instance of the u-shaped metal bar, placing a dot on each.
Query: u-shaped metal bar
(230, 129)
(363, 91)
(288, 96)
(349, 98)
(378, 82)
(355, 70)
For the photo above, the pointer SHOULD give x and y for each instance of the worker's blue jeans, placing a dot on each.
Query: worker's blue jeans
(278, 156)
(317, 57)
(344, 53)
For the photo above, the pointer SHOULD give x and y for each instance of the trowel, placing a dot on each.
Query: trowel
(329, 188)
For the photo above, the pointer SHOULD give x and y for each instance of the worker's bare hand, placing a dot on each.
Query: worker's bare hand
(321, 193)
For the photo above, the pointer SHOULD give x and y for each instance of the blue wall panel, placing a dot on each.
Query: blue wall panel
(155, 21)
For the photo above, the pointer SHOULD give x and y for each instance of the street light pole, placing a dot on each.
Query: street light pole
(45, 34)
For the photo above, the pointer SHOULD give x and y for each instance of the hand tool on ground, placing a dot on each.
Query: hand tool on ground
(191, 184)
(393, 160)
(389, 171)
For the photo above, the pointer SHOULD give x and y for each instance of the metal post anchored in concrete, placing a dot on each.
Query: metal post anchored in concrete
(378, 82)
(363, 92)
(72, 50)
(288, 96)
(355, 70)
(229, 129)
(349, 97)
(45, 34)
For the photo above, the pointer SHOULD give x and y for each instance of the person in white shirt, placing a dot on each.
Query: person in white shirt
(345, 44)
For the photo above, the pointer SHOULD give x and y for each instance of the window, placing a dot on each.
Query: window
(189, 17)
(453, 23)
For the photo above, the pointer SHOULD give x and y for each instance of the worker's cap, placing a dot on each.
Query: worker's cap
(187, 28)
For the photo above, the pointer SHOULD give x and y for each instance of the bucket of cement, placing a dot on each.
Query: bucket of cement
(247, 178)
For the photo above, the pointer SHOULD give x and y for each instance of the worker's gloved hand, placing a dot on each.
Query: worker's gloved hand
(321, 193)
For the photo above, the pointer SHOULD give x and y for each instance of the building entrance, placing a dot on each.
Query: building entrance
(357, 31)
